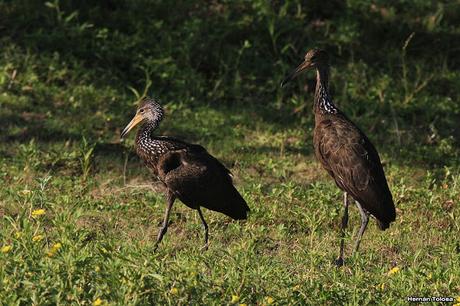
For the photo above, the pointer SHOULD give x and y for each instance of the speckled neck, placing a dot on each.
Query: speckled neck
(323, 101)
(144, 140)
(145, 131)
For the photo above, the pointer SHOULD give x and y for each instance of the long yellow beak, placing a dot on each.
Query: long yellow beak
(304, 65)
(135, 121)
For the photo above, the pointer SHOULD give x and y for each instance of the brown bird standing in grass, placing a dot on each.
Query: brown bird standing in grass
(188, 171)
(346, 154)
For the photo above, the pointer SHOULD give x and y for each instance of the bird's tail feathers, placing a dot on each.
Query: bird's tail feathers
(236, 207)
(389, 216)
(383, 225)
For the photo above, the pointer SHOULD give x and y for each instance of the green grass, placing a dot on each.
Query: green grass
(69, 74)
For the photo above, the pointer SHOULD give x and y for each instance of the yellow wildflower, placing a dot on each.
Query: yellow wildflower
(38, 212)
(37, 238)
(97, 302)
(430, 276)
(458, 299)
(381, 286)
(18, 235)
(6, 248)
(235, 299)
(270, 300)
(54, 249)
(174, 290)
(243, 304)
(393, 271)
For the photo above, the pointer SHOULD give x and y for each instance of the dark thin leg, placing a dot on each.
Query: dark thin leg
(164, 227)
(364, 221)
(205, 247)
(339, 260)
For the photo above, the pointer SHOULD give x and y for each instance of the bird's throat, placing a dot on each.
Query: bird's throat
(144, 134)
(323, 101)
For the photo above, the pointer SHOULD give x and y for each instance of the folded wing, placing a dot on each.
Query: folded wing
(199, 179)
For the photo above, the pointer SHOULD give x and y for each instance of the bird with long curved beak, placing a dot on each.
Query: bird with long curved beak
(187, 170)
(346, 154)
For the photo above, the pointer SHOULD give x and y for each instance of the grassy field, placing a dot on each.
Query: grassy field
(79, 213)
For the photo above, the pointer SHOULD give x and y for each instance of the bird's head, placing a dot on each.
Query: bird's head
(149, 110)
(315, 58)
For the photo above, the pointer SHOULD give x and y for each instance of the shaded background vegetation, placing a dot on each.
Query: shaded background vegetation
(68, 66)
(70, 73)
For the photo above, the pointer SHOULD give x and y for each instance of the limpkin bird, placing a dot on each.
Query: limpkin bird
(347, 154)
(187, 170)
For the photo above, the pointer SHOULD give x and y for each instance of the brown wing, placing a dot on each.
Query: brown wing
(162, 145)
(199, 179)
(353, 162)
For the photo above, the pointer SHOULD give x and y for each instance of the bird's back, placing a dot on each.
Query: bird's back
(351, 159)
(199, 179)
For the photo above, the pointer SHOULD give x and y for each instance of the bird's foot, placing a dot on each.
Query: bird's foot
(339, 262)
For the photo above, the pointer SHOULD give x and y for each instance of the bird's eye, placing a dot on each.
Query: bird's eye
(141, 110)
